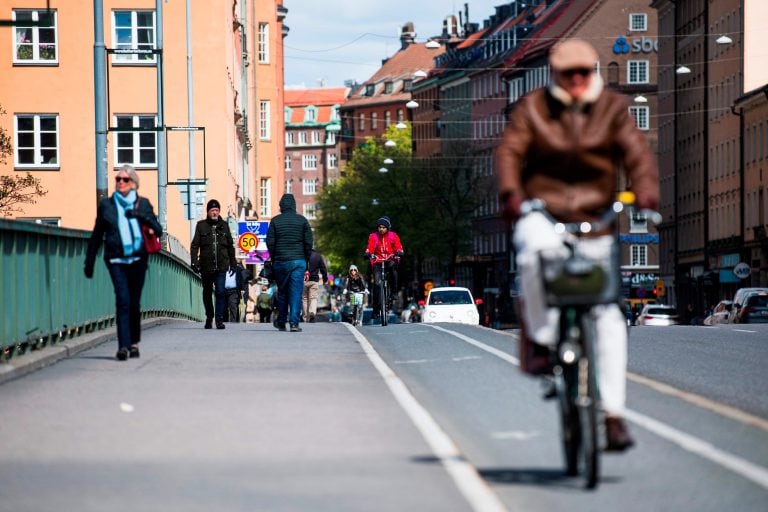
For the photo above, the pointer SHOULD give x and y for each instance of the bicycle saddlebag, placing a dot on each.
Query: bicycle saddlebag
(576, 280)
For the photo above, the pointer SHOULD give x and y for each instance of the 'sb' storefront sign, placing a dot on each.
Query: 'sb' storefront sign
(639, 45)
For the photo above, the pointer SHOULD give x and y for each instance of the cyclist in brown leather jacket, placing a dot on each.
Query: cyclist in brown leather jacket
(565, 144)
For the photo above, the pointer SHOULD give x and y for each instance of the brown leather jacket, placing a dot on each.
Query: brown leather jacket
(570, 157)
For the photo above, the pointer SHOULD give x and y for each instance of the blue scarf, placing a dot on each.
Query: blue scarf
(130, 231)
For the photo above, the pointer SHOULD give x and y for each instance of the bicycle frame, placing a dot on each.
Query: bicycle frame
(383, 289)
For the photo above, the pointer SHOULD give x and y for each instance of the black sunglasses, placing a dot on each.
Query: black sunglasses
(124, 180)
(568, 73)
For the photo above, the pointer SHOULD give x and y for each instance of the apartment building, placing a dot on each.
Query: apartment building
(206, 129)
(312, 155)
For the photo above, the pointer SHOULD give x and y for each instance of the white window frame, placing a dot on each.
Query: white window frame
(330, 138)
(309, 162)
(310, 114)
(387, 118)
(29, 36)
(287, 162)
(310, 211)
(263, 43)
(638, 71)
(315, 137)
(642, 116)
(374, 120)
(333, 160)
(309, 187)
(640, 17)
(302, 138)
(265, 125)
(37, 147)
(361, 126)
(289, 186)
(290, 138)
(638, 223)
(265, 197)
(638, 255)
(139, 141)
(134, 58)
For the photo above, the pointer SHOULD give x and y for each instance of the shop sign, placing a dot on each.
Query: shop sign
(638, 45)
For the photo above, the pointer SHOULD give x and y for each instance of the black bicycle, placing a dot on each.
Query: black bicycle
(383, 288)
(575, 283)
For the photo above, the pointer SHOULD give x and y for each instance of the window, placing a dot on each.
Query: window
(388, 88)
(263, 44)
(309, 187)
(335, 113)
(641, 116)
(287, 162)
(400, 115)
(310, 114)
(264, 125)
(315, 137)
(303, 138)
(387, 118)
(35, 44)
(638, 22)
(374, 120)
(138, 148)
(310, 211)
(309, 162)
(330, 138)
(37, 141)
(407, 85)
(637, 71)
(288, 112)
(370, 89)
(332, 160)
(134, 30)
(289, 186)
(639, 255)
(637, 222)
(362, 122)
(265, 197)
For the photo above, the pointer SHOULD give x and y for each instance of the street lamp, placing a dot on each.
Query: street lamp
(343, 207)
(641, 99)
(401, 126)
(412, 104)
(723, 40)
(388, 161)
(423, 74)
(383, 170)
(390, 143)
(432, 44)
(683, 70)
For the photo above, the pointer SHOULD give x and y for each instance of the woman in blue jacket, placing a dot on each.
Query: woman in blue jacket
(118, 226)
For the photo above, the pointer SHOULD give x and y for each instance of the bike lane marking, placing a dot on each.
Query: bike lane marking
(465, 476)
(743, 467)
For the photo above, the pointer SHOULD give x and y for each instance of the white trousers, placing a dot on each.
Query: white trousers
(534, 233)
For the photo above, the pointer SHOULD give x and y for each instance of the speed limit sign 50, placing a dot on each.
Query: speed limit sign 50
(247, 242)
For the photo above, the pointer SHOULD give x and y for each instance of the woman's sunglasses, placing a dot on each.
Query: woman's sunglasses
(118, 179)
(569, 73)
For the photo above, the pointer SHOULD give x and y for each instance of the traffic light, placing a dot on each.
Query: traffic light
(451, 282)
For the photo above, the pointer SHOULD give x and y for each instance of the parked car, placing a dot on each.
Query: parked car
(754, 310)
(720, 313)
(450, 304)
(658, 314)
(738, 301)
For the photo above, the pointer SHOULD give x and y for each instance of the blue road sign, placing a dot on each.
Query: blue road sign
(257, 227)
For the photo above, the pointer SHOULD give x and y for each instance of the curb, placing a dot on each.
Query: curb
(38, 359)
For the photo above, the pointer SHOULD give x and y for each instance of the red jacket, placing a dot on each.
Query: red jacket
(385, 247)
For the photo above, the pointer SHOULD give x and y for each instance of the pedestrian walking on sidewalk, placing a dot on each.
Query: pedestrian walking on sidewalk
(289, 241)
(213, 254)
(119, 221)
(315, 274)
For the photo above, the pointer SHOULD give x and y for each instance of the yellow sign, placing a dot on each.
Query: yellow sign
(247, 242)
(428, 286)
(660, 291)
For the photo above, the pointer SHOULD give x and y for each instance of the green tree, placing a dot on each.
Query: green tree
(15, 190)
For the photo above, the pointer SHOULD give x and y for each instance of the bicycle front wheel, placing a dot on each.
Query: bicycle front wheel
(384, 298)
(570, 426)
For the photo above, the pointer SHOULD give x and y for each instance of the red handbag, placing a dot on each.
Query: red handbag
(151, 241)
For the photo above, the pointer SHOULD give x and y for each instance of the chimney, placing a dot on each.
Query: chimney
(407, 35)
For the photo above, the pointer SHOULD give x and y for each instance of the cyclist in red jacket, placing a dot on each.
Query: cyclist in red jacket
(383, 245)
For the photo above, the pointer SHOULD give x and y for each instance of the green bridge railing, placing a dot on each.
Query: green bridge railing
(45, 298)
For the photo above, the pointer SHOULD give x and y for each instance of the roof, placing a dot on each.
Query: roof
(399, 67)
(324, 99)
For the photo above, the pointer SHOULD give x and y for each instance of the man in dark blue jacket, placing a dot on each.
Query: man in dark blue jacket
(289, 240)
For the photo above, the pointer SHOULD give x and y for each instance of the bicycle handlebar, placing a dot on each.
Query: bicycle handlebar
(539, 205)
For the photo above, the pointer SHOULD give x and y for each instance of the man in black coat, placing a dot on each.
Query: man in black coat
(213, 254)
(289, 240)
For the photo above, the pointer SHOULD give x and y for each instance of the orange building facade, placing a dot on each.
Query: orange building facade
(233, 102)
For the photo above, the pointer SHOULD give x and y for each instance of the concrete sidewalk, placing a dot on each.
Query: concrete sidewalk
(247, 418)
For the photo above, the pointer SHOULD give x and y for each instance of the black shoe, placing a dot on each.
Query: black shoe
(220, 325)
(618, 438)
(311, 318)
(134, 351)
(209, 323)
(295, 328)
(279, 327)
(122, 354)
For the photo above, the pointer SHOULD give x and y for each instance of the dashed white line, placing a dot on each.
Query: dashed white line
(465, 476)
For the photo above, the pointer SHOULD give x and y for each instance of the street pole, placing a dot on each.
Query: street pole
(100, 95)
(162, 161)
(191, 194)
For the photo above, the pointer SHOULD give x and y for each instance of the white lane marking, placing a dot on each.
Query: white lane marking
(477, 493)
(415, 361)
(466, 358)
(517, 435)
(700, 401)
(744, 330)
(498, 353)
(757, 474)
